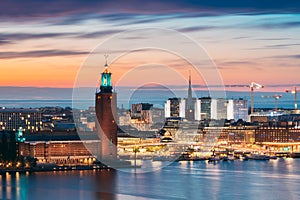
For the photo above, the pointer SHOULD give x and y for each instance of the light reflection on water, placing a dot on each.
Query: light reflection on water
(274, 179)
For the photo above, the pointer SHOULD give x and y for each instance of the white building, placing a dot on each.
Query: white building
(175, 107)
(237, 109)
(219, 108)
(198, 110)
(207, 108)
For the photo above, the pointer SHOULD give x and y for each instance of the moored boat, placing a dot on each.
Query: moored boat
(259, 157)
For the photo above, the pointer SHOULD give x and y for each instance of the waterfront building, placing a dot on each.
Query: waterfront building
(11, 119)
(282, 139)
(106, 114)
(61, 152)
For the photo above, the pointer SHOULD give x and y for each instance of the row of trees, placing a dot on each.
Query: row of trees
(8, 147)
(9, 152)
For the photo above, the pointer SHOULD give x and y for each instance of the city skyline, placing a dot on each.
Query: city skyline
(247, 41)
(157, 99)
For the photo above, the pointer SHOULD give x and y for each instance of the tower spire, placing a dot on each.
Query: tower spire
(106, 56)
(190, 86)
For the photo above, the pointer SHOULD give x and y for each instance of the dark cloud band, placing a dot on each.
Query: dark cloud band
(35, 8)
(39, 53)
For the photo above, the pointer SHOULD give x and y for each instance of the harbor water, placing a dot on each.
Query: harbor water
(272, 179)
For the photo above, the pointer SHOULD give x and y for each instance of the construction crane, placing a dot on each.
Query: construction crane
(294, 91)
(253, 86)
(275, 97)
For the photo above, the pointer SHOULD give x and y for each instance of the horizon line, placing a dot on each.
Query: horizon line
(163, 87)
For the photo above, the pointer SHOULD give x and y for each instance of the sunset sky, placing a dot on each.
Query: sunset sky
(45, 44)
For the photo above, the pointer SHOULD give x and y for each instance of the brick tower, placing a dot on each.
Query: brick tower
(106, 112)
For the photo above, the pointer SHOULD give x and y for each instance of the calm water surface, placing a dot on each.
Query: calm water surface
(274, 179)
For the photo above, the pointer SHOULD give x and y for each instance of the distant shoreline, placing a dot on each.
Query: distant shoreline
(56, 168)
(97, 167)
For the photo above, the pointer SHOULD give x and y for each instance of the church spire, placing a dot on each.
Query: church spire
(190, 86)
(105, 56)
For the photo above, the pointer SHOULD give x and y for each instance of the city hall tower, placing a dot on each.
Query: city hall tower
(106, 114)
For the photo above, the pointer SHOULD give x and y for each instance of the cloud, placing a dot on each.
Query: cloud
(279, 46)
(33, 9)
(296, 56)
(27, 36)
(196, 28)
(235, 62)
(98, 33)
(273, 39)
(241, 37)
(293, 56)
(6, 38)
(279, 25)
(39, 53)
(3, 42)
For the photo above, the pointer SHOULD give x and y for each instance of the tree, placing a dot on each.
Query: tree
(12, 151)
(4, 147)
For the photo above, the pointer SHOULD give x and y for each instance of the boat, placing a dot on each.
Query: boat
(259, 157)
(273, 157)
(244, 157)
(295, 155)
(225, 159)
(231, 158)
(213, 159)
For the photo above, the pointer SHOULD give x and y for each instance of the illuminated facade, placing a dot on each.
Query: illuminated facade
(11, 119)
(277, 134)
(61, 152)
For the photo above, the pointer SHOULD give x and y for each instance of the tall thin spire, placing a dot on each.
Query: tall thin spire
(190, 86)
(106, 56)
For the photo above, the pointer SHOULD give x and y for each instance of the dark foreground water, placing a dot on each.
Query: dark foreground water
(274, 179)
